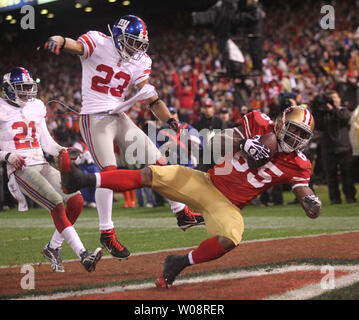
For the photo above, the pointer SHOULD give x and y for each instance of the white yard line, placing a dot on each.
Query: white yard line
(315, 288)
(187, 248)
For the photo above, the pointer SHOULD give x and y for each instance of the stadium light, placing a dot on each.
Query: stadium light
(13, 21)
(88, 9)
(78, 5)
(112, 1)
(8, 18)
(50, 15)
(44, 11)
(126, 3)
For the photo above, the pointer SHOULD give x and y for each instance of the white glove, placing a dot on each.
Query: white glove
(312, 205)
(256, 150)
(16, 160)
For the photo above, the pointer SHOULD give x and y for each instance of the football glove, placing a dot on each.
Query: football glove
(16, 160)
(53, 46)
(255, 150)
(312, 206)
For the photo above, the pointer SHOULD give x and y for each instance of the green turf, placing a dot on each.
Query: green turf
(22, 235)
(347, 293)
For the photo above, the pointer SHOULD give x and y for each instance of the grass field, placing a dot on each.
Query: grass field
(22, 235)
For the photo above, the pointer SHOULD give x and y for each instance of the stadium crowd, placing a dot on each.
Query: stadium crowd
(299, 57)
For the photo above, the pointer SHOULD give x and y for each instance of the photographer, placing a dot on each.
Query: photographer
(333, 121)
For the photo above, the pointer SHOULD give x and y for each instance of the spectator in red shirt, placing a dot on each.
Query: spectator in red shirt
(186, 92)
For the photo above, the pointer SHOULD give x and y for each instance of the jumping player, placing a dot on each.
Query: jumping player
(23, 137)
(110, 66)
(219, 196)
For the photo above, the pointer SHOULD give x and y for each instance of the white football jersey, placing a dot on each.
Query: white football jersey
(23, 130)
(105, 77)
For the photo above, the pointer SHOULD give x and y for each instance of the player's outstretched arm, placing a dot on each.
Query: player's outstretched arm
(160, 109)
(56, 44)
(309, 201)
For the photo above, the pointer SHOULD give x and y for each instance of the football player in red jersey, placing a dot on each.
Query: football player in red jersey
(221, 193)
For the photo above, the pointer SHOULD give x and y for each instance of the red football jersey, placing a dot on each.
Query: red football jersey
(240, 184)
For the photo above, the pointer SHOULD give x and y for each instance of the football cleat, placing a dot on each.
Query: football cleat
(112, 245)
(187, 219)
(89, 259)
(54, 256)
(173, 265)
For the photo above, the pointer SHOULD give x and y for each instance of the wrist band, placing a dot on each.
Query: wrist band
(153, 102)
(7, 156)
(63, 43)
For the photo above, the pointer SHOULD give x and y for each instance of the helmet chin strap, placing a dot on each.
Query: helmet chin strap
(114, 46)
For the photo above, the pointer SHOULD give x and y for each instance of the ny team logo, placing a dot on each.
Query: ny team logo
(123, 24)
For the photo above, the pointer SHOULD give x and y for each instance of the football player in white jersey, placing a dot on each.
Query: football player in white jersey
(23, 137)
(110, 65)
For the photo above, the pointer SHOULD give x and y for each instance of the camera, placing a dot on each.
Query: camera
(284, 100)
(320, 101)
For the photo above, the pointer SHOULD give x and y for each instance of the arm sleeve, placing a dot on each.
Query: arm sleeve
(143, 73)
(89, 42)
(301, 176)
(255, 123)
(48, 144)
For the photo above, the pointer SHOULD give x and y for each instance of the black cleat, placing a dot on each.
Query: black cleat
(187, 219)
(174, 264)
(112, 245)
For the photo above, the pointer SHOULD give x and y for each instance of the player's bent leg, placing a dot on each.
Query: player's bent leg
(36, 186)
(224, 224)
(209, 249)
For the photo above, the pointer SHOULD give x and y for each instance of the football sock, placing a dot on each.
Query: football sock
(60, 218)
(73, 209)
(56, 240)
(73, 240)
(120, 180)
(209, 249)
(104, 199)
